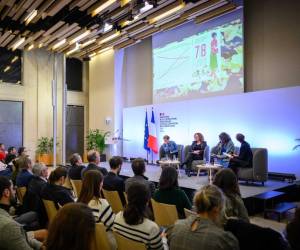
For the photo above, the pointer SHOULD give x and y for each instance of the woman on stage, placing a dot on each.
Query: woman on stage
(196, 152)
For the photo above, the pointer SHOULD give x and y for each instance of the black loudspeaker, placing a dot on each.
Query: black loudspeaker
(74, 74)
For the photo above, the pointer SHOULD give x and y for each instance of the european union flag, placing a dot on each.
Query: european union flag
(146, 133)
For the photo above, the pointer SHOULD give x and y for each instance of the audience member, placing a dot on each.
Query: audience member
(112, 181)
(133, 223)
(25, 173)
(227, 181)
(74, 172)
(22, 151)
(168, 149)
(93, 158)
(11, 155)
(73, 228)
(139, 168)
(293, 231)
(202, 231)
(12, 234)
(54, 189)
(170, 193)
(2, 152)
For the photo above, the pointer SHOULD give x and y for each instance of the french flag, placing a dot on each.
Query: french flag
(152, 139)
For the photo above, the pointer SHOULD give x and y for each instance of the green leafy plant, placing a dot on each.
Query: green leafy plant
(96, 140)
(45, 145)
(297, 146)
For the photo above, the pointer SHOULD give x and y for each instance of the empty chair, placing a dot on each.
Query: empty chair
(128, 244)
(21, 193)
(77, 185)
(114, 200)
(164, 214)
(101, 238)
(188, 212)
(50, 209)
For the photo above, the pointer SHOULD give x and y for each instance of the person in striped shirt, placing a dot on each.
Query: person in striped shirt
(90, 194)
(133, 222)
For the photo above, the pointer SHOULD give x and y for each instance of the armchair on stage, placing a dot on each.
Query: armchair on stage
(259, 171)
(206, 156)
(180, 151)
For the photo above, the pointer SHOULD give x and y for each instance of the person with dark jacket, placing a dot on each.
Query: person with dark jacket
(93, 158)
(55, 191)
(293, 231)
(112, 181)
(74, 171)
(11, 155)
(244, 159)
(25, 174)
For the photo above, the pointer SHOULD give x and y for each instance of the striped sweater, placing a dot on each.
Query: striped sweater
(102, 212)
(147, 232)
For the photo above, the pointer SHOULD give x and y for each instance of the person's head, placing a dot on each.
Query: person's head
(227, 181)
(7, 193)
(73, 228)
(224, 138)
(292, 230)
(2, 147)
(198, 137)
(138, 166)
(22, 151)
(91, 186)
(93, 156)
(25, 163)
(240, 137)
(40, 169)
(115, 164)
(12, 150)
(58, 176)
(76, 160)
(166, 139)
(138, 196)
(168, 178)
(209, 202)
(214, 35)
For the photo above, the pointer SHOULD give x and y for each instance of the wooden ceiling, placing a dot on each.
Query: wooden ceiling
(81, 28)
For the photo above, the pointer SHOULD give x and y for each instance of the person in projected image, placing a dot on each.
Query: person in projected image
(168, 149)
(213, 56)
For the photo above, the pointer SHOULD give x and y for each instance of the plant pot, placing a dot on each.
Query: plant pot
(47, 159)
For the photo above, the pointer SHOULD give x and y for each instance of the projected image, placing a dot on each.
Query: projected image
(210, 62)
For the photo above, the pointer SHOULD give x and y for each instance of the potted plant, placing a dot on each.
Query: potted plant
(96, 141)
(45, 150)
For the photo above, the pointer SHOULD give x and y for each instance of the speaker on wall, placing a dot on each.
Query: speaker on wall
(74, 74)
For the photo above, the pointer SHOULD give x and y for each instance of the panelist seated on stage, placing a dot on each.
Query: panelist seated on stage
(196, 152)
(168, 149)
(222, 149)
(245, 157)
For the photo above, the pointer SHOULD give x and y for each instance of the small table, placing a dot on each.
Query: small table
(208, 167)
(169, 163)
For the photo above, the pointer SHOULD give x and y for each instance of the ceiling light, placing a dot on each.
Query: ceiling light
(58, 44)
(18, 43)
(110, 37)
(14, 59)
(166, 13)
(104, 50)
(87, 43)
(30, 16)
(6, 69)
(92, 55)
(40, 45)
(124, 2)
(146, 7)
(73, 50)
(78, 38)
(30, 47)
(102, 7)
(107, 27)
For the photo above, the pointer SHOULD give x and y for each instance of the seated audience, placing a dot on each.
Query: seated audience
(22, 151)
(93, 158)
(168, 149)
(227, 181)
(25, 174)
(224, 146)
(112, 181)
(12, 234)
(244, 159)
(2, 152)
(293, 231)
(11, 155)
(202, 231)
(54, 189)
(74, 172)
(133, 223)
(170, 193)
(196, 152)
(90, 194)
(139, 168)
(73, 228)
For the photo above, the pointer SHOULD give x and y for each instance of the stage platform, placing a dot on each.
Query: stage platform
(153, 173)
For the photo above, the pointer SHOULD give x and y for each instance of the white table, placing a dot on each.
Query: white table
(172, 163)
(208, 167)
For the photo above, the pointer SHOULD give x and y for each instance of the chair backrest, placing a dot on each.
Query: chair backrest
(164, 214)
(186, 150)
(67, 183)
(188, 212)
(128, 244)
(77, 185)
(21, 191)
(101, 238)
(260, 164)
(125, 196)
(180, 152)
(50, 209)
(114, 200)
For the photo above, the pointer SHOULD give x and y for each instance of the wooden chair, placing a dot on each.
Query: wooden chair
(50, 209)
(101, 239)
(164, 214)
(114, 200)
(127, 244)
(21, 191)
(77, 185)
(67, 183)
(188, 212)
(125, 196)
